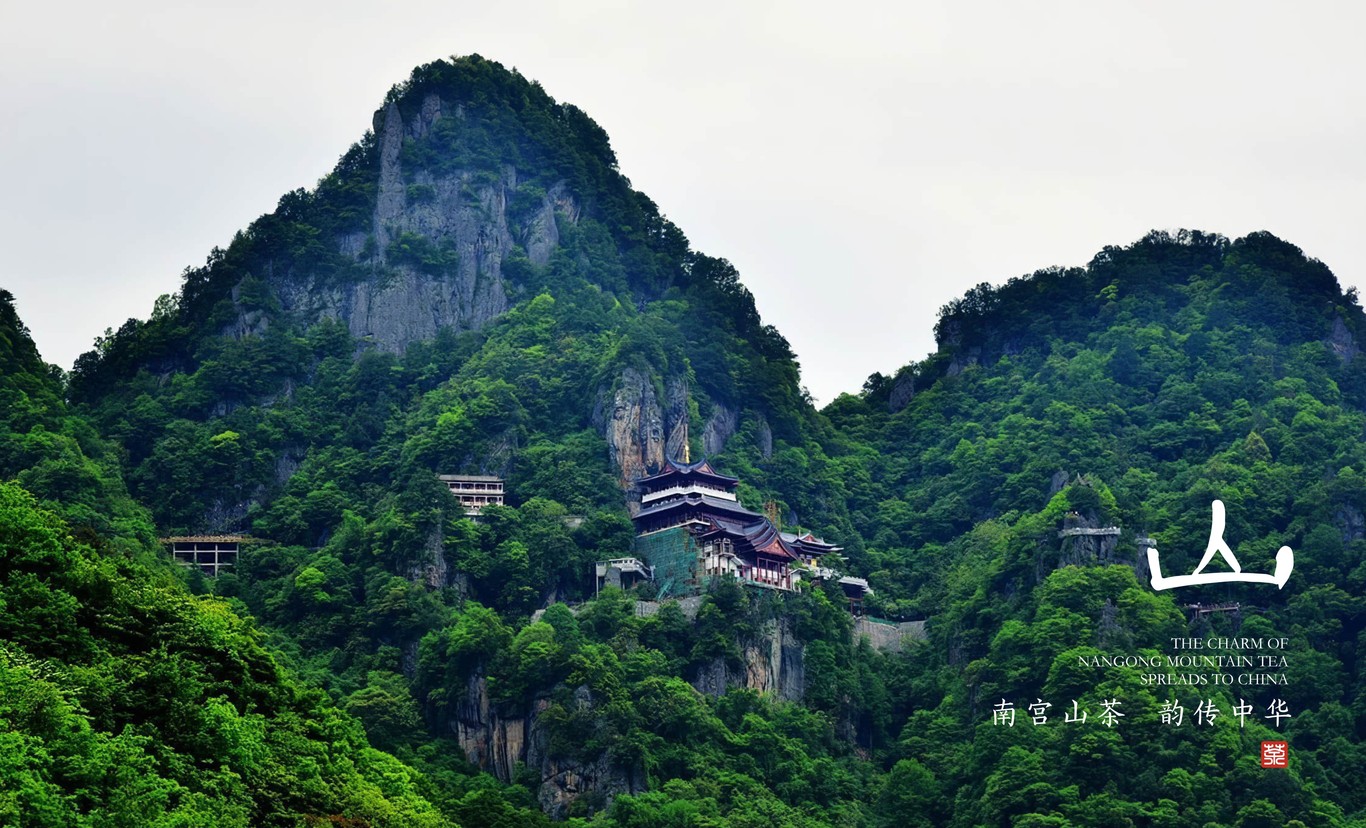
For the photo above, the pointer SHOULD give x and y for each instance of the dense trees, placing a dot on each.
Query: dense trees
(1133, 392)
(127, 701)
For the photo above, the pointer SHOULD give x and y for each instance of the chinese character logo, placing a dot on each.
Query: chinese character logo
(1275, 754)
(1003, 713)
(1285, 561)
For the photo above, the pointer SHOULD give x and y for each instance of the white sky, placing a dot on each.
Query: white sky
(861, 164)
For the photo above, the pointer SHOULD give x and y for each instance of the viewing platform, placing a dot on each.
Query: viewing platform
(211, 553)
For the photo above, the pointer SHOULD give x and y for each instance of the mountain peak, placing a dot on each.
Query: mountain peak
(442, 218)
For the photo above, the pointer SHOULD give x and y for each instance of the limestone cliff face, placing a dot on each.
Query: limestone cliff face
(497, 741)
(721, 425)
(1084, 541)
(642, 429)
(774, 662)
(632, 421)
(903, 391)
(1341, 342)
(465, 218)
(497, 738)
(431, 569)
(463, 214)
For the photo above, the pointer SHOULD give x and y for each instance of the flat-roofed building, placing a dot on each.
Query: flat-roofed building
(475, 491)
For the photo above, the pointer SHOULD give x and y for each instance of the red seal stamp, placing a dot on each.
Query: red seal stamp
(1275, 754)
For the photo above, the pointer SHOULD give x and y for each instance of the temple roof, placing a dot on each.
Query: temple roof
(810, 543)
(674, 467)
(695, 500)
(857, 587)
(758, 534)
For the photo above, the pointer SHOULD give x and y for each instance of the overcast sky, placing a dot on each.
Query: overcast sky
(861, 164)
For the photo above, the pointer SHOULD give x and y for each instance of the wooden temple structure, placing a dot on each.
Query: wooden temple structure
(692, 528)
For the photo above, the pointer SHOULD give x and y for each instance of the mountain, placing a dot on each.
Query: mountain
(476, 289)
(480, 218)
(1132, 393)
(290, 389)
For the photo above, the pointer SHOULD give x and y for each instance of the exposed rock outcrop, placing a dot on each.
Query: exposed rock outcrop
(765, 438)
(633, 423)
(774, 662)
(1350, 522)
(497, 742)
(1058, 482)
(963, 359)
(435, 247)
(1085, 541)
(676, 417)
(720, 427)
(1341, 341)
(432, 569)
(903, 390)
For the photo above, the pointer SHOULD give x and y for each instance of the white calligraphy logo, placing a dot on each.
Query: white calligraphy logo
(1285, 562)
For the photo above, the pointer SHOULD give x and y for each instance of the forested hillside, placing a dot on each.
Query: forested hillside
(124, 699)
(477, 289)
(1166, 374)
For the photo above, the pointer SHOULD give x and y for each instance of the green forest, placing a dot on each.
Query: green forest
(377, 658)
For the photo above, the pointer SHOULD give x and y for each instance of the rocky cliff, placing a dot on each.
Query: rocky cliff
(638, 425)
(498, 740)
(643, 426)
(434, 246)
(434, 249)
(773, 662)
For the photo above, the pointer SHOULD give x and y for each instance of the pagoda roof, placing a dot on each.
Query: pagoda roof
(719, 504)
(810, 543)
(855, 586)
(672, 467)
(760, 535)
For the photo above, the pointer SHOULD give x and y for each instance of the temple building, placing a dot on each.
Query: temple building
(809, 548)
(474, 490)
(692, 528)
